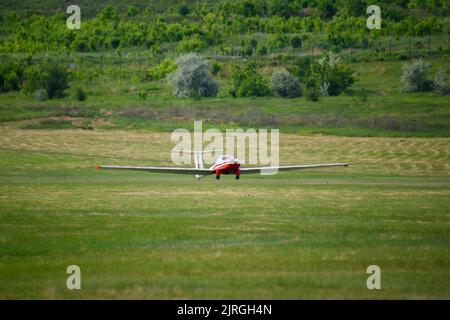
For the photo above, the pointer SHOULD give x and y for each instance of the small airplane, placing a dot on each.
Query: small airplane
(224, 164)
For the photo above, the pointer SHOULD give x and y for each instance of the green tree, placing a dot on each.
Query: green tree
(296, 42)
(247, 82)
(184, 10)
(132, 11)
(50, 76)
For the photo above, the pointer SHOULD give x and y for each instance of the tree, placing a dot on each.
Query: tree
(50, 76)
(284, 84)
(162, 69)
(184, 10)
(330, 76)
(327, 8)
(191, 78)
(296, 42)
(356, 8)
(247, 82)
(194, 44)
(132, 11)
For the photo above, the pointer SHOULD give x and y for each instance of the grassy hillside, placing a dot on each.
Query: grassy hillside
(111, 58)
(115, 103)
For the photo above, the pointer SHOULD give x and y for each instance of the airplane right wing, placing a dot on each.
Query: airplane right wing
(293, 167)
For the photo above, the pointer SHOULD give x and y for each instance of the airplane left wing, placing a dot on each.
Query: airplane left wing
(294, 167)
(161, 169)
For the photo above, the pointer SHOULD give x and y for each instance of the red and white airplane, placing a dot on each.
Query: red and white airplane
(224, 164)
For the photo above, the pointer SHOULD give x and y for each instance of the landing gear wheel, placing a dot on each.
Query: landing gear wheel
(237, 177)
(217, 177)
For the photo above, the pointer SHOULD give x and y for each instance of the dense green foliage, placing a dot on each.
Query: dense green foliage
(247, 82)
(342, 22)
(160, 70)
(120, 57)
(23, 75)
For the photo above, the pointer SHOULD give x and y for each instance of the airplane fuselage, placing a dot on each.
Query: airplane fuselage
(228, 166)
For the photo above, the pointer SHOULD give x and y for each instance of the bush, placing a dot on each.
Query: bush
(248, 83)
(162, 69)
(184, 10)
(285, 85)
(362, 95)
(132, 11)
(194, 44)
(191, 78)
(143, 95)
(12, 74)
(49, 75)
(40, 95)
(329, 73)
(216, 68)
(414, 77)
(440, 82)
(312, 94)
(80, 95)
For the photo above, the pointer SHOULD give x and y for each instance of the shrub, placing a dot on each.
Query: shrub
(132, 11)
(40, 95)
(323, 89)
(162, 69)
(143, 95)
(12, 74)
(80, 95)
(194, 44)
(262, 50)
(330, 73)
(362, 95)
(285, 85)
(49, 75)
(414, 77)
(312, 94)
(247, 82)
(184, 10)
(215, 68)
(191, 78)
(302, 67)
(440, 82)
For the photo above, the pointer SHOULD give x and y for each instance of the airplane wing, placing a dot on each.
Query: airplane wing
(294, 167)
(161, 169)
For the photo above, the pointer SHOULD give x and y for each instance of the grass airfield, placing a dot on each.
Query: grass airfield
(308, 234)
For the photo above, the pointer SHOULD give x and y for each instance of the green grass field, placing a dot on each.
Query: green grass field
(309, 234)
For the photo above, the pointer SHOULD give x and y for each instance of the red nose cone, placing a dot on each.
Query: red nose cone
(98, 167)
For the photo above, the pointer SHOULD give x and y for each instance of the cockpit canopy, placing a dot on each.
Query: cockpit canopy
(224, 158)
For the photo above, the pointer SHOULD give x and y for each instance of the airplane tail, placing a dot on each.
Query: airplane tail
(198, 158)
